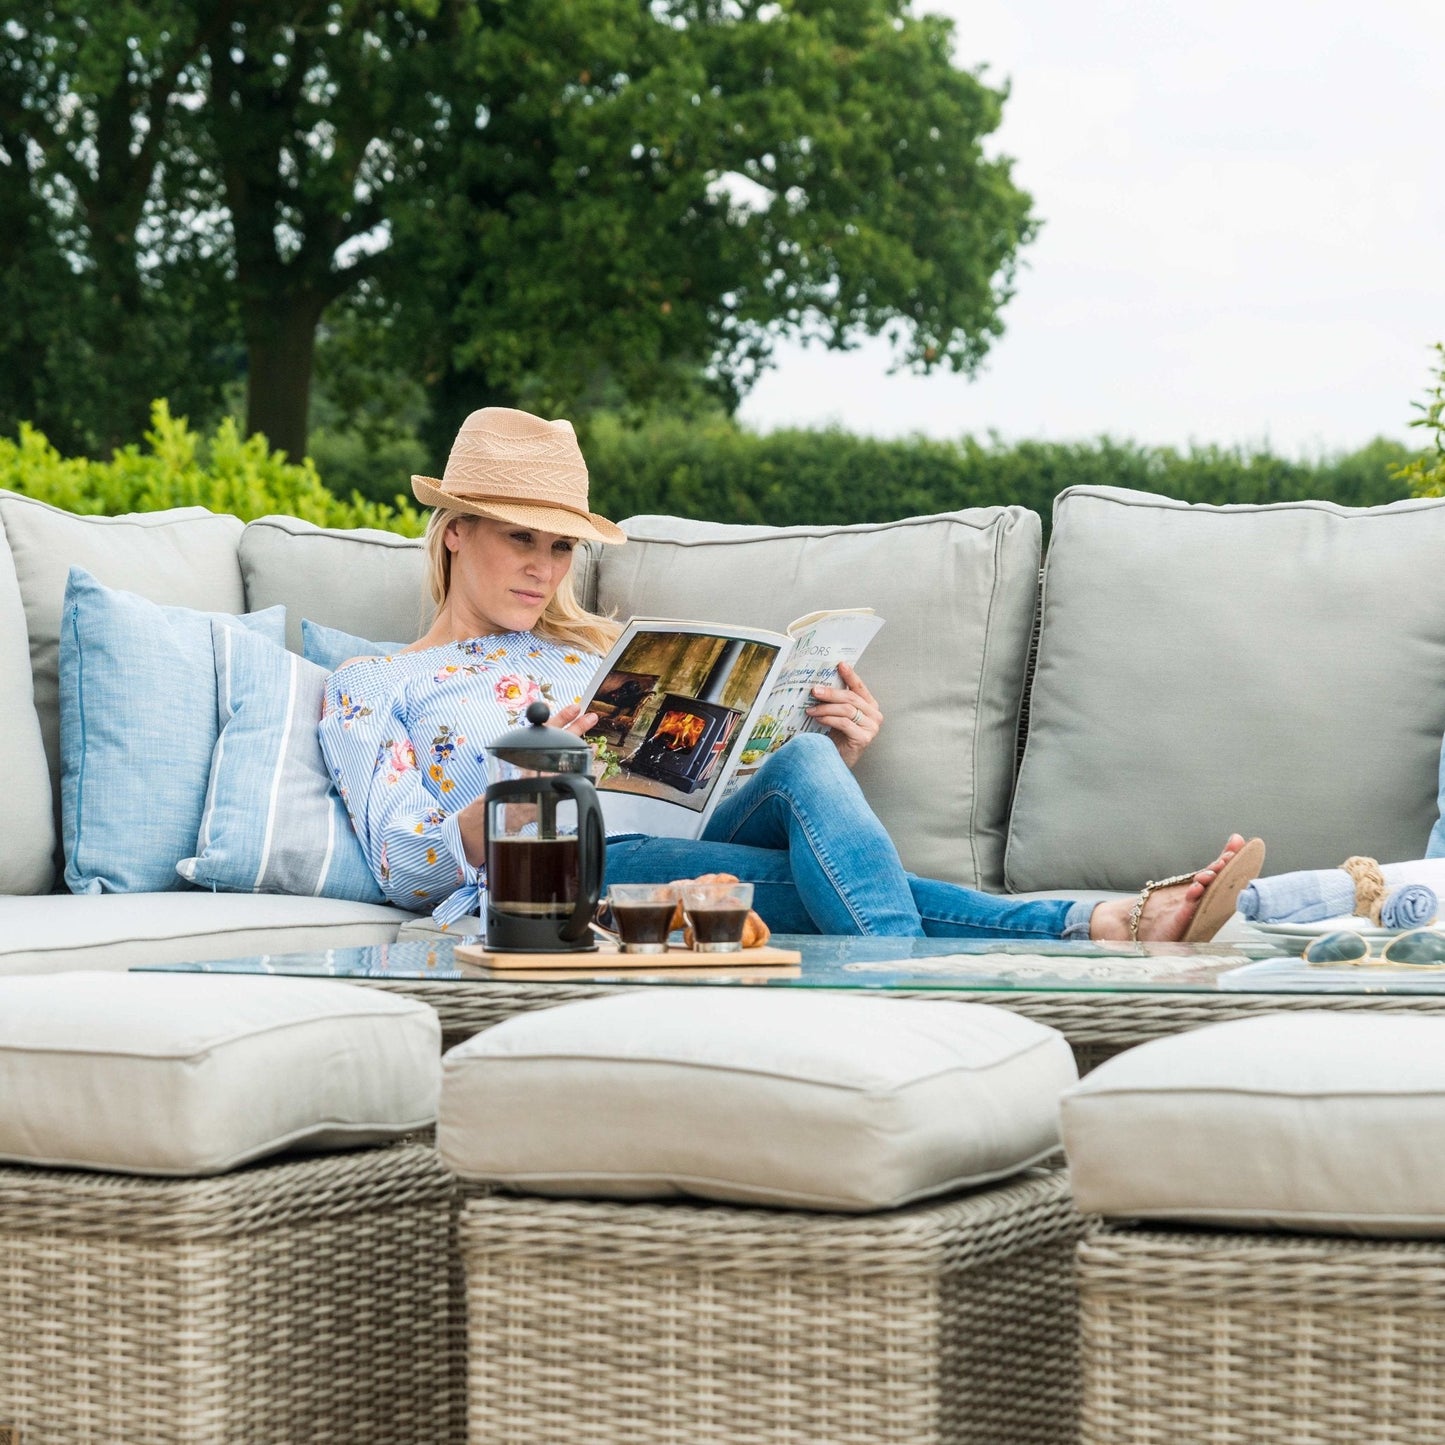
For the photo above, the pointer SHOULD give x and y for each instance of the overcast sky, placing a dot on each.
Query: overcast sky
(1243, 238)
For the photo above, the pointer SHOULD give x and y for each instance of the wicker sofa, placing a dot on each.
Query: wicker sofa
(1183, 671)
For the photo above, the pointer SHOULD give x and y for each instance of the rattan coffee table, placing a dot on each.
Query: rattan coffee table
(1103, 998)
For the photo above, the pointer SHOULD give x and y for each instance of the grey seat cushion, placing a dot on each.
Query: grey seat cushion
(956, 592)
(1273, 669)
(67, 931)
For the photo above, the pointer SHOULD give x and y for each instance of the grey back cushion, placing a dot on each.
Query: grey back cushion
(366, 582)
(957, 594)
(1279, 670)
(27, 846)
(184, 557)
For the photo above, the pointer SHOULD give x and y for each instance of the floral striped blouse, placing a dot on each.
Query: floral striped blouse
(405, 737)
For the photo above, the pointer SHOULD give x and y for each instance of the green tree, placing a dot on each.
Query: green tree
(1425, 474)
(524, 201)
(651, 191)
(323, 115)
(556, 205)
(110, 289)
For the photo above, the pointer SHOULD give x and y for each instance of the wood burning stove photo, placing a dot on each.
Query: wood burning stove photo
(618, 700)
(687, 736)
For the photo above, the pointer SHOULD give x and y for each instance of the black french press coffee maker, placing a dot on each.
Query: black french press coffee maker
(545, 842)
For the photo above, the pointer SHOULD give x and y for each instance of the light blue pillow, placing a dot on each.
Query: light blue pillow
(138, 722)
(329, 647)
(273, 822)
(1435, 847)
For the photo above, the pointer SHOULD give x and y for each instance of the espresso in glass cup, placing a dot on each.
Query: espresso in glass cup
(717, 914)
(643, 913)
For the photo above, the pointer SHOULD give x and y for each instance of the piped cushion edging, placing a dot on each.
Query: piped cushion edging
(63, 932)
(195, 1074)
(138, 723)
(1319, 1121)
(808, 1100)
(273, 821)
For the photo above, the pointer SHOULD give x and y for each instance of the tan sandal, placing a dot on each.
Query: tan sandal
(1220, 894)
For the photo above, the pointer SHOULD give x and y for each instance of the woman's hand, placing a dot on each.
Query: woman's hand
(473, 818)
(472, 823)
(850, 711)
(571, 719)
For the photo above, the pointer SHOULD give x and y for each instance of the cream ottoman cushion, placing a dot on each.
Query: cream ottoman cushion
(811, 1100)
(1319, 1121)
(190, 1074)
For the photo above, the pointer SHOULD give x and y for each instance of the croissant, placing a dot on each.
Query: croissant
(755, 931)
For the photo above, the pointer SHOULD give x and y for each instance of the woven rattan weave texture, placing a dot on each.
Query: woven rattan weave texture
(1098, 1025)
(297, 1301)
(466, 1008)
(695, 1324)
(1239, 1339)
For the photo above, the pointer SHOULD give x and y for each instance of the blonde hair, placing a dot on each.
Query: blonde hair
(564, 621)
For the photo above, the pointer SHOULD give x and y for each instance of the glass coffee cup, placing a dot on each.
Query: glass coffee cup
(642, 914)
(717, 913)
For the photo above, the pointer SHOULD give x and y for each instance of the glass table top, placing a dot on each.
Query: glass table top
(883, 963)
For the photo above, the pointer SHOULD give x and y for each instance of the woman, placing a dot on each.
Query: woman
(405, 737)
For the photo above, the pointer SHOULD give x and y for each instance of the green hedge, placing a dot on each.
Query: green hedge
(178, 468)
(717, 471)
(713, 470)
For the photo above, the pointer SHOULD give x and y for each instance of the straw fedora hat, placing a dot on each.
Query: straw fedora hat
(514, 467)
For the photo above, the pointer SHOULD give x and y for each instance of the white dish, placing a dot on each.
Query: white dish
(1322, 926)
(1296, 937)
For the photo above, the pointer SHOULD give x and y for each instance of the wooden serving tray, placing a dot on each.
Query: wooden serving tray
(608, 956)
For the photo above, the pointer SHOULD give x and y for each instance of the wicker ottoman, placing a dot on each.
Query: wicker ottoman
(169, 1273)
(302, 1301)
(1274, 1265)
(640, 1324)
(1255, 1339)
(842, 1282)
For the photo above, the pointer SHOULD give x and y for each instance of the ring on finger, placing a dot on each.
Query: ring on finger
(857, 717)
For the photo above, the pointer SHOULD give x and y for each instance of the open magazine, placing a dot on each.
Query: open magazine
(687, 710)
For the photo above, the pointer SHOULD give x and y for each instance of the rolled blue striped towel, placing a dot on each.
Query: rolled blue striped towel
(1317, 893)
(1411, 905)
(1299, 897)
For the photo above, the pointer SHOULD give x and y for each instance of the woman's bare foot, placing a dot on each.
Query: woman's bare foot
(1167, 911)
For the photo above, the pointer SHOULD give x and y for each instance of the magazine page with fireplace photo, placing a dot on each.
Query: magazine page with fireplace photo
(687, 710)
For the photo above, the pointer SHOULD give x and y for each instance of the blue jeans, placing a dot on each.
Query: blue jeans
(801, 832)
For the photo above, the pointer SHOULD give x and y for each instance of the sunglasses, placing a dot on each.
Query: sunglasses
(1420, 946)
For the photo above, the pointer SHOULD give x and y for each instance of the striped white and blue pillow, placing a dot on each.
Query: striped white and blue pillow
(273, 822)
(138, 728)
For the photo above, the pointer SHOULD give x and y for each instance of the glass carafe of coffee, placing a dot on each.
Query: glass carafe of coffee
(544, 840)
